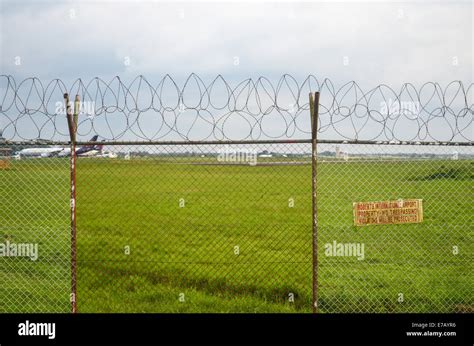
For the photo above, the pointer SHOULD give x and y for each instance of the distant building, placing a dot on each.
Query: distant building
(341, 154)
(1, 137)
(265, 153)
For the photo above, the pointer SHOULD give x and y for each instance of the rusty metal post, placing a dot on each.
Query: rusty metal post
(314, 112)
(72, 124)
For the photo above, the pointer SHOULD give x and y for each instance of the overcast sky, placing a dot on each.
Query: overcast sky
(369, 42)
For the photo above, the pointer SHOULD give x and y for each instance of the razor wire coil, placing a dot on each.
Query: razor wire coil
(251, 109)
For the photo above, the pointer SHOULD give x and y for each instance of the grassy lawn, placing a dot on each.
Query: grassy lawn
(172, 235)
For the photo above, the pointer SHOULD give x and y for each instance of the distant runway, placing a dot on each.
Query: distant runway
(276, 163)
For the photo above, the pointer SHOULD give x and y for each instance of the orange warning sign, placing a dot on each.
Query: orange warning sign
(388, 212)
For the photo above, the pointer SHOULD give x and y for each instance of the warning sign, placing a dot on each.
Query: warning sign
(388, 212)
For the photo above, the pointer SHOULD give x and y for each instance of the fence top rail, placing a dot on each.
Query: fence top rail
(220, 109)
(230, 142)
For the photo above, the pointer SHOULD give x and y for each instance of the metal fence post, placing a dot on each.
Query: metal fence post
(314, 111)
(72, 124)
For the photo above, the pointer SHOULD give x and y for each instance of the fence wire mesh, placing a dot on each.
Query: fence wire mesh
(195, 228)
(35, 243)
(221, 221)
(416, 267)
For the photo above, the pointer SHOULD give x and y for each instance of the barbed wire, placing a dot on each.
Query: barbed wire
(251, 109)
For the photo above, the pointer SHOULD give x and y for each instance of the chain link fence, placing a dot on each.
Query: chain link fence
(195, 228)
(412, 267)
(35, 244)
(213, 212)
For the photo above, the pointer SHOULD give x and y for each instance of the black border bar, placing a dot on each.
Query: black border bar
(239, 329)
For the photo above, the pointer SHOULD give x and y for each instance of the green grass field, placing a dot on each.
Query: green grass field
(221, 238)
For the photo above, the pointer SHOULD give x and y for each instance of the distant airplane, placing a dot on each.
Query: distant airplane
(86, 150)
